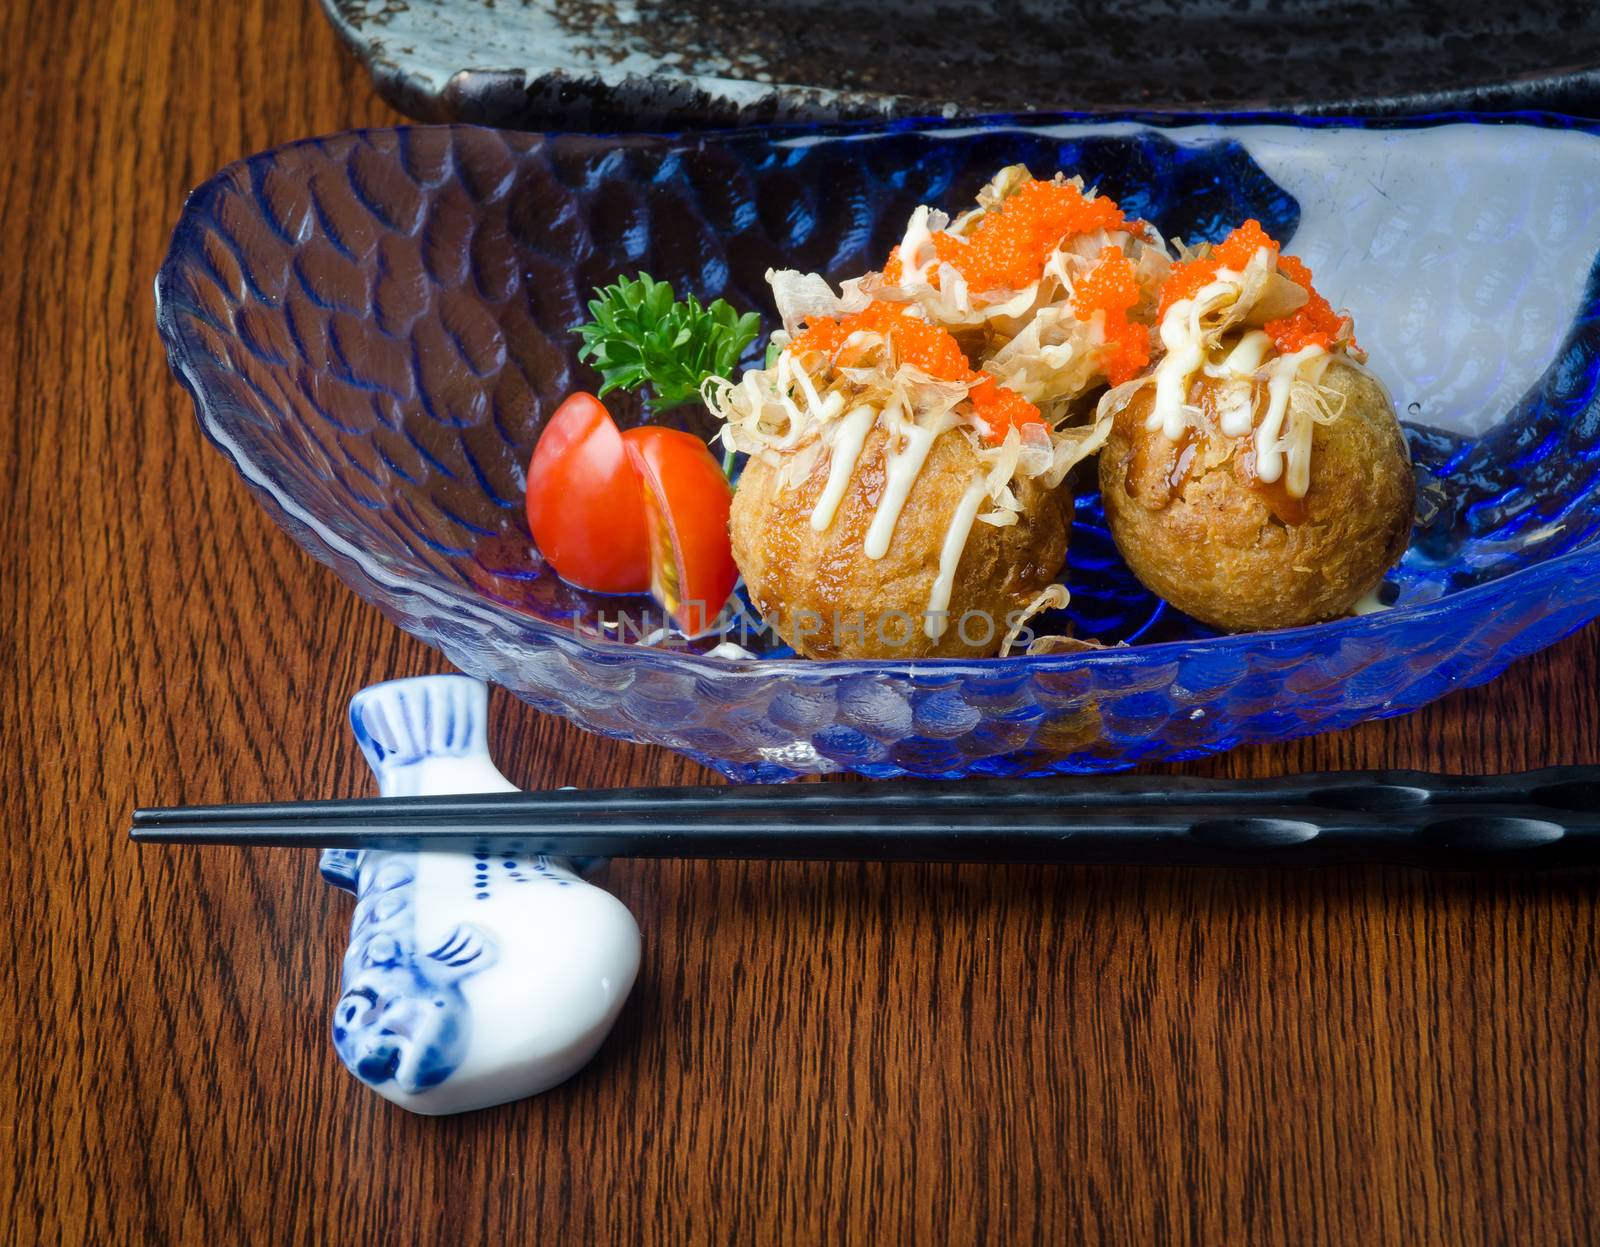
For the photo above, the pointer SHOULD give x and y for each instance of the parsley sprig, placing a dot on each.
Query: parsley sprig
(642, 335)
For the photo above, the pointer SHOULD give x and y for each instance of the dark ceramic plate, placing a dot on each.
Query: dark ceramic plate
(675, 64)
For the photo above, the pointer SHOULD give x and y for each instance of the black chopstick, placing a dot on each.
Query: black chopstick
(1547, 818)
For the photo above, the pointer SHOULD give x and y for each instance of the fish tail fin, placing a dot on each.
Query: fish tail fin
(402, 724)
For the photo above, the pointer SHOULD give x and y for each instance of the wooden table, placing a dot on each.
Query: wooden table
(813, 1053)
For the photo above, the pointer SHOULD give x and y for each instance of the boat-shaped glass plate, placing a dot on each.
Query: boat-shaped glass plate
(374, 326)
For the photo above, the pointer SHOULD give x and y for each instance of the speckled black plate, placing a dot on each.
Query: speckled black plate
(674, 64)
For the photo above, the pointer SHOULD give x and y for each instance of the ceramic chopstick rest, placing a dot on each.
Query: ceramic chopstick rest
(470, 979)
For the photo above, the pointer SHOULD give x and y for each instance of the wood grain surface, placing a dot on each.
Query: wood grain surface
(813, 1053)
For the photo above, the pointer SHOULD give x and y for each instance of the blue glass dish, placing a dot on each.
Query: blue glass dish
(373, 326)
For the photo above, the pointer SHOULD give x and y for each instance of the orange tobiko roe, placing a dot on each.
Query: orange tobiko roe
(1001, 410)
(1234, 252)
(913, 339)
(1111, 288)
(1314, 324)
(1008, 247)
(927, 347)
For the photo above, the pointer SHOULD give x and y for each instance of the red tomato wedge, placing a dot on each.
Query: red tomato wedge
(686, 507)
(585, 507)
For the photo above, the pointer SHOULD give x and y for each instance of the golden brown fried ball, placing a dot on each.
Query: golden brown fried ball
(826, 598)
(1239, 556)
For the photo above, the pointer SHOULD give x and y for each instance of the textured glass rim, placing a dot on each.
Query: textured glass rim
(530, 630)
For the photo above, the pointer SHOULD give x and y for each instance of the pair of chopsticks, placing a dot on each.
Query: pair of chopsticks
(1548, 818)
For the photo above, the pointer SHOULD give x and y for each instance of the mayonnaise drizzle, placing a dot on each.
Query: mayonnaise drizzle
(1234, 402)
(917, 239)
(1269, 442)
(934, 621)
(848, 439)
(1184, 339)
(901, 468)
(1248, 355)
(1234, 398)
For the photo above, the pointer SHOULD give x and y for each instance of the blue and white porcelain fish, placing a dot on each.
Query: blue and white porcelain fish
(470, 979)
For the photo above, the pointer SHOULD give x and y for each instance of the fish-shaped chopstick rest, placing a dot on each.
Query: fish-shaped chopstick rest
(471, 979)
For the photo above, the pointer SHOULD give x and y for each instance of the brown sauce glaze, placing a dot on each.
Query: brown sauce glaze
(1284, 506)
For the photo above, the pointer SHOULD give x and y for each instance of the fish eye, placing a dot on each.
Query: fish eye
(384, 950)
(357, 1005)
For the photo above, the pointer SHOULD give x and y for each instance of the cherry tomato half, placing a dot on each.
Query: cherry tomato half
(585, 507)
(686, 507)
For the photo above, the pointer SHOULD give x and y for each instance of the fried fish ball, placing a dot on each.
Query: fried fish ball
(1199, 531)
(825, 597)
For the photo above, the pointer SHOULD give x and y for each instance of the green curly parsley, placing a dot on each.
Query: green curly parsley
(642, 335)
